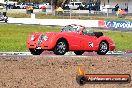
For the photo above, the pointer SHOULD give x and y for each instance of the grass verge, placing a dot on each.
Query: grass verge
(122, 40)
(13, 37)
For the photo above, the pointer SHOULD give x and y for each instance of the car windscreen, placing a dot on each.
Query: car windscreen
(70, 28)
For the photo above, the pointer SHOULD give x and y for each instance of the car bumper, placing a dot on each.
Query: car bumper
(43, 45)
(32, 45)
(47, 45)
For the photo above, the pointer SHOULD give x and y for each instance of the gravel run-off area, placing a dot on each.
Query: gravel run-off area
(59, 72)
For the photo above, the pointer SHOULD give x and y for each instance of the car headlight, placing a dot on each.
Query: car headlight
(45, 38)
(32, 37)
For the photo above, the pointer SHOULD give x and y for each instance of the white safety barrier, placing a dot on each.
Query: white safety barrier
(59, 22)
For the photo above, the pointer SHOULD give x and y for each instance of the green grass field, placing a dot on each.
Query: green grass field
(13, 37)
(123, 40)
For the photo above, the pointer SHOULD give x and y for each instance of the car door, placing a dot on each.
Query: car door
(88, 42)
(74, 40)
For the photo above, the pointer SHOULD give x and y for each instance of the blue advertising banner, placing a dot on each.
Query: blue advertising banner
(119, 24)
(115, 24)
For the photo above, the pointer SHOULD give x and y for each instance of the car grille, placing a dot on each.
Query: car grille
(40, 39)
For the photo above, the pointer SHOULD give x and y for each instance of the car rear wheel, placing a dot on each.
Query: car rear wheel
(36, 51)
(78, 52)
(61, 47)
(103, 48)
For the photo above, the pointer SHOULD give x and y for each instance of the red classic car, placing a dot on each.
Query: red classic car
(71, 38)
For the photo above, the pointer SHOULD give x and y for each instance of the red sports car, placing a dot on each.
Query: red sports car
(71, 38)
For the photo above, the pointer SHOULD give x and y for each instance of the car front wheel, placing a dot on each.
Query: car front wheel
(103, 48)
(36, 51)
(61, 47)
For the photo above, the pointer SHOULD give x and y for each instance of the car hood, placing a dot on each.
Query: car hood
(59, 33)
(54, 34)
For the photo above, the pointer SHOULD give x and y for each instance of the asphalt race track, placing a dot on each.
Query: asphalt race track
(68, 54)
